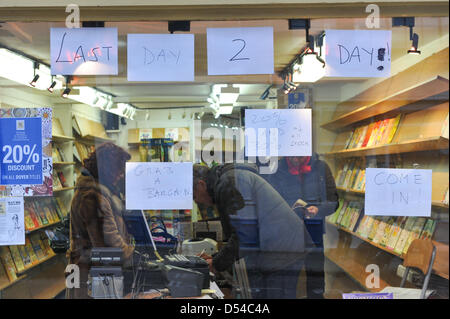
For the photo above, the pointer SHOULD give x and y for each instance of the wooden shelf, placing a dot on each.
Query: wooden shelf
(41, 227)
(396, 102)
(440, 246)
(37, 264)
(419, 145)
(63, 189)
(19, 278)
(63, 163)
(436, 204)
(62, 139)
(354, 269)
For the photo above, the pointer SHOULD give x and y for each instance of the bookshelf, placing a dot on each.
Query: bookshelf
(419, 139)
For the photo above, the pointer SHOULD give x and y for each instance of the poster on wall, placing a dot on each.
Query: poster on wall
(160, 57)
(12, 225)
(158, 185)
(233, 51)
(358, 53)
(398, 192)
(26, 152)
(301, 98)
(278, 132)
(83, 51)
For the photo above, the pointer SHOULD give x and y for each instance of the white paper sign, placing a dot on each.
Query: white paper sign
(83, 51)
(161, 57)
(398, 192)
(240, 51)
(358, 53)
(284, 132)
(12, 224)
(156, 185)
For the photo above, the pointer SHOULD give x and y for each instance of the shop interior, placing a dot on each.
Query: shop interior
(166, 121)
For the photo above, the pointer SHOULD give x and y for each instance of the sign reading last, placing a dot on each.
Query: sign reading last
(83, 51)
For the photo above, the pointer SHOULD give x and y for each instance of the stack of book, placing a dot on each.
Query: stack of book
(373, 134)
(42, 212)
(352, 175)
(347, 214)
(16, 259)
(57, 154)
(59, 180)
(82, 151)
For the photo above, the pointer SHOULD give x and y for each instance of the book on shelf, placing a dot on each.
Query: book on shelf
(76, 155)
(348, 173)
(404, 235)
(381, 132)
(38, 246)
(362, 136)
(395, 232)
(415, 233)
(55, 155)
(62, 179)
(26, 258)
(374, 228)
(4, 280)
(62, 207)
(333, 217)
(30, 251)
(17, 258)
(387, 231)
(40, 212)
(33, 214)
(373, 134)
(56, 182)
(62, 155)
(47, 249)
(349, 139)
(8, 263)
(356, 216)
(341, 212)
(368, 134)
(29, 223)
(393, 129)
(379, 232)
(360, 181)
(428, 229)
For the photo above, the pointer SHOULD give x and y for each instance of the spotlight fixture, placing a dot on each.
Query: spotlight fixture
(51, 87)
(33, 82)
(147, 116)
(414, 37)
(66, 92)
(170, 116)
(184, 115)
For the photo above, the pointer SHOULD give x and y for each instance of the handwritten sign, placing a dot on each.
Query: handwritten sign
(240, 51)
(398, 192)
(284, 132)
(83, 51)
(156, 185)
(161, 57)
(358, 53)
(12, 225)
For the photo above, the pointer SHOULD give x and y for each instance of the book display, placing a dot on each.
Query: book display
(392, 132)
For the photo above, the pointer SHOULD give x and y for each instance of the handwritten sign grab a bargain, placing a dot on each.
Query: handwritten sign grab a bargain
(83, 51)
(277, 132)
(156, 185)
(161, 57)
(398, 192)
(358, 53)
(240, 51)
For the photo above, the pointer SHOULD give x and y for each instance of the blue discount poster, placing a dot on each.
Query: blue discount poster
(21, 151)
(26, 152)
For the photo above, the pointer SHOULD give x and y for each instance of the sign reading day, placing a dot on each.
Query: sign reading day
(161, 57)
(233, 51)
(285, 132)
(155, 185)
(358, 53)
(84, 51)
(21, 151)
(398, 192)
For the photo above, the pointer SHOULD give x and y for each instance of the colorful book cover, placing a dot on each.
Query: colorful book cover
(61, 206)
(333, 217)
(374, 134)
(361, 180)
(428, 230)
(373, 231)
(47, 249)
(56, 182)
(396, 230)
(348, 174)
(381, 131)
(355, 217)
(8, 262)
(349, 139)
(416, 230)
(62, 179)
(389, 125)
(354, 135)
(41, 213)
(404, 235)
(387, 231)
(367, 227)
(30, 251)
(25, 257)
(341, 212)
(340, 181)
(29, 224)
(38, 246)
(34, 215)
(17, 258)
(368, 134)
(362, 136)
(380, 230)
(393, 129)
(362, 224)
(4, 280)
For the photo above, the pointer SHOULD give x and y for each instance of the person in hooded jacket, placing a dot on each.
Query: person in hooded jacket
(96, 218)
(258, 226)
(309, 179)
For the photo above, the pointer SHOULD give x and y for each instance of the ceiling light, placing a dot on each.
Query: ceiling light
(415, 44)
(184, 115)
(66, 92)
(51, 88)
(33, 82)
(147, 116)
(228, 94)
(170, 116)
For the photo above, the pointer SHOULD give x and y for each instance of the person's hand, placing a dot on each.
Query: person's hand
(311, 211)
(205, 256)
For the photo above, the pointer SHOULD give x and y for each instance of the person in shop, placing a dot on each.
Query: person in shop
(309, 179)
(96, 211)
(258, 225)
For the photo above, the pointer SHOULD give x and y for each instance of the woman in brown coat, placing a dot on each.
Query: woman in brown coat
(96, 211)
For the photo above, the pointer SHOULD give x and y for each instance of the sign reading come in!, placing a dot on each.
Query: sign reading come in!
(83, 51)
(26, 151)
